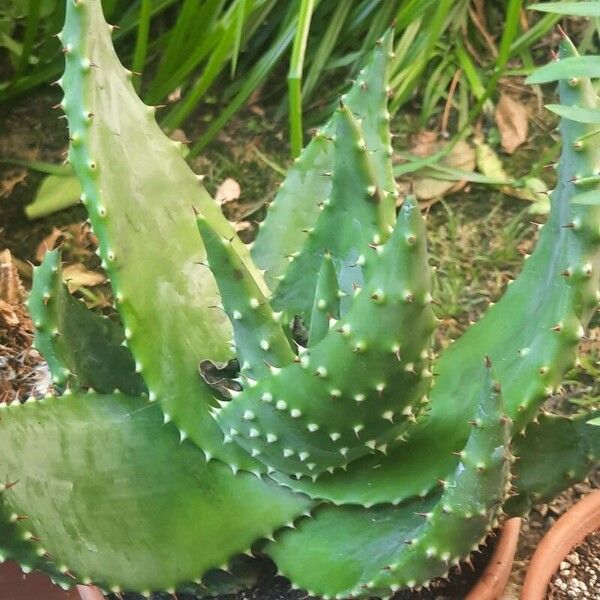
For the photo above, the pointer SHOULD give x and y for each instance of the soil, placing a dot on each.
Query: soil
(31, 131)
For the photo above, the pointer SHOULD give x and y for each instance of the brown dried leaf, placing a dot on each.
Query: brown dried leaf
(228, 191)
(77, 276)
(461, 157)
(11, 288)
(512, 121)
(8, 316)
(48, 243)
(10, 179)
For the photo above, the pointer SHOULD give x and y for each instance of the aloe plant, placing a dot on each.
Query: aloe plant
(342, 446)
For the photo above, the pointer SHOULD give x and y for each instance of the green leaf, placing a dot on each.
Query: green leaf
(566, 68)
(82, 348)
(115, 497)
(576, 113)
(140, 195)
(575, 9)
(589, 198)
(55, 193)
(553, 454)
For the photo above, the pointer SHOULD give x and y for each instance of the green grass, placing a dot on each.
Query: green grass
(227, 51)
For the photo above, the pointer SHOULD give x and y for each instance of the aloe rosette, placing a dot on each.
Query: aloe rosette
(343, 447)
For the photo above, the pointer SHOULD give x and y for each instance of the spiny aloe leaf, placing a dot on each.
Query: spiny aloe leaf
(326, 305)
(139, 193)
(296, 208)
(366, 538)
(357, 211)
(553, 453)
(23, 549)
(313, 416)
(259, 338)
(531, 335)
(82, 348)
(452, 523)
(143, 516)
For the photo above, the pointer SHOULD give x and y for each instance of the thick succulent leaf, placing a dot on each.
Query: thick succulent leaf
(81, 347)
(259, 338)
(114, 497)
(312, 416)
(140, 193)
(553, 453)
(326, 305)
(28, 552)
(357, 211)
(297, 206)
(451, 524)
(531, 335)
(342, 546)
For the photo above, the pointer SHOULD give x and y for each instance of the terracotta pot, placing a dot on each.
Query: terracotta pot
(493, 580)
(15, 585)
(569, 531)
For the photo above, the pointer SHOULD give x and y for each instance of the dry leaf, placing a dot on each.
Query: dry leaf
(228, 190)
(8, 316)
(534, 189)
(10, 179)
(77, 276)
(48, 243)
(461, 157)
(511, 118)
(11, 288)
(76, 239)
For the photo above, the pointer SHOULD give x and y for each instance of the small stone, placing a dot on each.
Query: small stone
(573, 558)
(564, 566)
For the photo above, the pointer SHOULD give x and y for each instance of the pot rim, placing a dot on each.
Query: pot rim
(568, 532)
(493, 580)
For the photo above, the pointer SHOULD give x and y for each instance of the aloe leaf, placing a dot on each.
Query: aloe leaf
(259, 338)
(296, 208)
(554, 452)
(140, 195)
(531, 335)
(82, 348)
(141, 517)
(453, 522)
(356, 391)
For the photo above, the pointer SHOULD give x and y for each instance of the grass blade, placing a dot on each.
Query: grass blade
(31, 26)
(294, 77)
(141, 42)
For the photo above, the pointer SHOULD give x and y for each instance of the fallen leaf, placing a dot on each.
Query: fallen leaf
(77, 276)
(511, 118)
(77, 240)
(10, 179)
(11, 288)
(532, 189)
(48, 243)
(461, 157)
(8, 316)
(228, 191)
